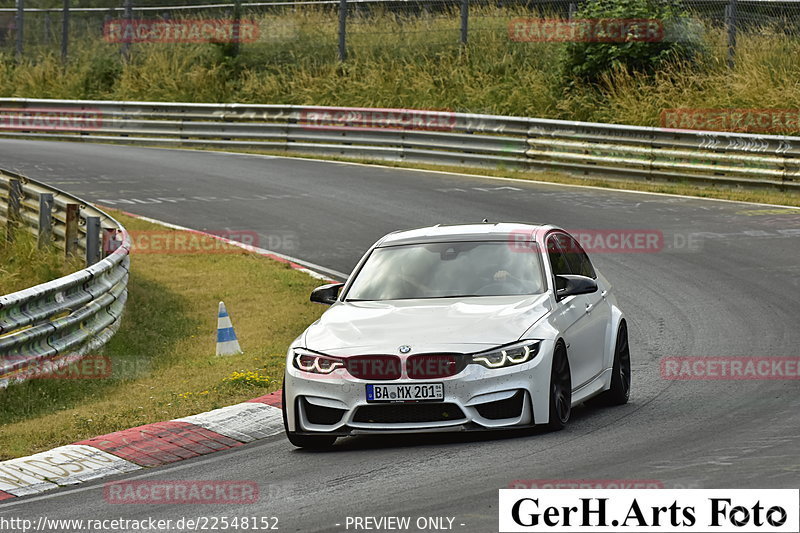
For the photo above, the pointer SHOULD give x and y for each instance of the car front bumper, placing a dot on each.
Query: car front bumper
(477, 398)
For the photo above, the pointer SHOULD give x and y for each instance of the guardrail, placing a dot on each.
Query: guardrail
(434, 137)
(53, 324)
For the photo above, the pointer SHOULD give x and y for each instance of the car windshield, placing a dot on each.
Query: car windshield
(448, 270)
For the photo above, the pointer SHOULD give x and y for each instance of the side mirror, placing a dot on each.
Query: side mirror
(569, 285)
(327, 294)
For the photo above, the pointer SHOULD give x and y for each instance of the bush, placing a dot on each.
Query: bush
(589, 61)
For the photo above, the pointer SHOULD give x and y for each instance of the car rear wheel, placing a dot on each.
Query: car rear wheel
(620, 389)
(311, 442)
(560, 390)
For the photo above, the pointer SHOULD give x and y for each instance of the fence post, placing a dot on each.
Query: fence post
(14, 205)
(573, 8)
(65, 31)
(45, 233)
(730, 19)
(71, 230)
(128, 15)
(48, 27)
(464, 20)
(20, 26)
(237, 18)
(92, 240)
(342, 30)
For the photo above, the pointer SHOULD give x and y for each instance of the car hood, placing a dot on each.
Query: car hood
(441, 324)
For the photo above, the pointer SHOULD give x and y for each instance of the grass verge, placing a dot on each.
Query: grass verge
(163, 362)
(23, 264)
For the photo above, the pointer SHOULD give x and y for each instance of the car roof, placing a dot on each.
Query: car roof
(499, 231)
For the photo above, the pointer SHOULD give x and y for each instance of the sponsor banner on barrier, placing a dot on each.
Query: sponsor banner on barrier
(730, 368)
(180, 31)
(50, 119)
(663, 511)
(773, 121)
(366, 118)
(181, 492)
(607, 30)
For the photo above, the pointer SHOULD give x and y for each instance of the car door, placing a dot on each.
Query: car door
(598, 312)
(575, 315)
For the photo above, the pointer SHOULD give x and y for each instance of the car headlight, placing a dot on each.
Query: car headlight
(516, 354)
(315, 363)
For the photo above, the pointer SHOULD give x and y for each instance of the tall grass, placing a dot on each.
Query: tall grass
(411, 61)
(23, 264)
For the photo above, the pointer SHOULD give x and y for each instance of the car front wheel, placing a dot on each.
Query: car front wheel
(560, 390)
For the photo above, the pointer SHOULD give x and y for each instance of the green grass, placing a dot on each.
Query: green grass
(162, 358)
(412, 62)
(23, 264)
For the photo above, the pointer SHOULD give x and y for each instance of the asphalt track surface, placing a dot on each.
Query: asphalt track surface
(735, 292)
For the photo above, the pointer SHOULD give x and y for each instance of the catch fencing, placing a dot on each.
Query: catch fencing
(35, 27)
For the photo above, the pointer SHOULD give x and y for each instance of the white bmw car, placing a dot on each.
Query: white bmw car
(452, 328)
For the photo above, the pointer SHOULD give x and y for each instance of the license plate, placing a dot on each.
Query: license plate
(418, 392)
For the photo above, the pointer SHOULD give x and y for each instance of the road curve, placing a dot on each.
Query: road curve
(734, 290)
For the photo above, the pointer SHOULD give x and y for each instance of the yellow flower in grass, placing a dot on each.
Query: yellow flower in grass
(248, 377)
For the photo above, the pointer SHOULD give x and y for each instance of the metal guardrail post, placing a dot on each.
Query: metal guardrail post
(14, 205)
(92, 240)
(342, 30)
(464, 21)
(45, 234)
(71, 230)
